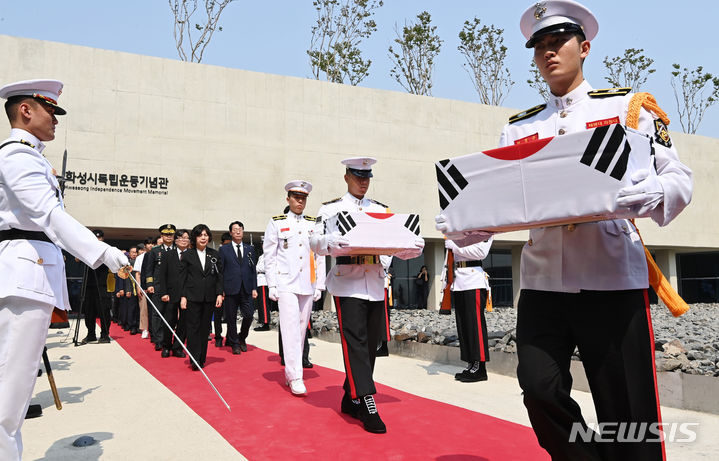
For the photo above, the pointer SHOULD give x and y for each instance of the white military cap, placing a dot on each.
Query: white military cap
(360, 166)
(299, 186)
(557, 16)
(47, 91)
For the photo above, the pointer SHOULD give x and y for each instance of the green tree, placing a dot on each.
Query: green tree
(537, 82)
(336, 36)
(690, 88)
(192, 36)
(630, 70)
(414, 59)
(484, 53)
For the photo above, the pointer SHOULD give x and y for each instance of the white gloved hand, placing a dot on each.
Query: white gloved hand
(440, 223)
(449, 244)
(646, 193)
(114, 259)
(272, 294)
(336, 240)
(317, 295)
(419, 243)
(414, 252)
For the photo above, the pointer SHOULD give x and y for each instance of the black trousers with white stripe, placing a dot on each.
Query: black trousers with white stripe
(471, 327)
(361, 324)
(613, 333)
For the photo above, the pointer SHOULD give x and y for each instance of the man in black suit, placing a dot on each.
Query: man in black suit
(240, 284)
(150, 264)
(168, 286)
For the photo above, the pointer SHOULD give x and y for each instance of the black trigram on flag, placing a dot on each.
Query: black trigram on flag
(345, 223)
(412, 223)
(451, 182)
(616, 142)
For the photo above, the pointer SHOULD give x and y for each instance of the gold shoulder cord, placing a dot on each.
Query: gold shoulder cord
(676, 305)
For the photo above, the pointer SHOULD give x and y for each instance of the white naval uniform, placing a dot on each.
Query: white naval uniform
(288, 269)
(362, 281)
(468, 278)
(605, 255)
(260, 267)
(33, 274)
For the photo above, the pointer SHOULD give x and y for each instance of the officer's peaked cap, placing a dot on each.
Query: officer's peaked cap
(360, 166)
(557, 16)
(167, 229)
(47, 91)
(299, 186)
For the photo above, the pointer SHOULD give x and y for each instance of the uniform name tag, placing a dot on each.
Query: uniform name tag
(531, 137)
(605, 122)
(284, 229)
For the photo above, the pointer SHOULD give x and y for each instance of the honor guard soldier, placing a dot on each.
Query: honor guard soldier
(357, 283)
(469, 292)
(263, 301)
(294, 277)
(34, 226)
(585, 285)
(159, 333)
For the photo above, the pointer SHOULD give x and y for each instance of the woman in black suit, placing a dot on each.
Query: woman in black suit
(201, 271)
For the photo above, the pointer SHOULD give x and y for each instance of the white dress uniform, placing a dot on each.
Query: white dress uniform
(292, 269)
(260, 267)
(606, 255)
(33, 269)
(469, 290)
(362, 281)
(584, 285)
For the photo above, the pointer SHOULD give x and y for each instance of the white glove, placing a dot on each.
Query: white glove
(317, 295)
(114, 259)
(336, 240)
(412, 253)
(644, 195)
(449, 244)
(440, 223)
(273, 294)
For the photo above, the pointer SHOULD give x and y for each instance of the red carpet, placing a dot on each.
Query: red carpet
(267, 422)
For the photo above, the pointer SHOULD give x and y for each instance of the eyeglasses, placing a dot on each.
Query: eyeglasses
(182, 238)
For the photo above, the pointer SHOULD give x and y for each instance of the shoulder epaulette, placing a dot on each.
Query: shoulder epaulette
(332, 201)
(310, 218)
(378, 203)
(609, 92)
(22, 141)
(279, 217)
(527, 113)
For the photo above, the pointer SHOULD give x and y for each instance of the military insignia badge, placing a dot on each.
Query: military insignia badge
(661, 133)
(539, 10)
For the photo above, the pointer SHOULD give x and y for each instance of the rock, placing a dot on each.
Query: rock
(451, 339)
(497, 334)
(695, 355)
(674, 347)
(668, 365)
(402, 337)
(423, 337)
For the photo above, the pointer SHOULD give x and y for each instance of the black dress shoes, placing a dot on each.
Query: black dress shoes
(478, 372)
(243, 346)
(103, 339)
(165, 353)
(262, 327)
(307, 364)
(88, 339)
(181, 354)
(349, 406)
(218, 342)
(236, 350)
(134, 331)
(158, 347)
(369, 416)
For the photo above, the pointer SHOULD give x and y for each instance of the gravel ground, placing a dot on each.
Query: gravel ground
(689, 344)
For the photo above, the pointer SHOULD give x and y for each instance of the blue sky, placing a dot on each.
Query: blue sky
(273, 35)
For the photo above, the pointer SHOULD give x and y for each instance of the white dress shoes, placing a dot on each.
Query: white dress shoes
(297, 387)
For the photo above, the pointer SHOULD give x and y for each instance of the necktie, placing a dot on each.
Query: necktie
(239, 251)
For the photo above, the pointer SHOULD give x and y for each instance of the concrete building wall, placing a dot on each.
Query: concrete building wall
(227, 140)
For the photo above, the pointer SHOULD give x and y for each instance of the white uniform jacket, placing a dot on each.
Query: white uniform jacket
(468, 278)
(606, 255)
(260, 267)
(30, 200)
(362, 281)
(287, 255)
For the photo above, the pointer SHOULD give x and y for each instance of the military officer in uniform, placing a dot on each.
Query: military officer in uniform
(295, 278)
(469, 292)
(585, 285)
(263, 301)
(34, 227)
(150, 271)
(357, 283)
